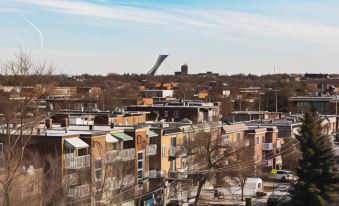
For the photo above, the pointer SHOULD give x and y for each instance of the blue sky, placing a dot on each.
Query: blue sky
(225, 36)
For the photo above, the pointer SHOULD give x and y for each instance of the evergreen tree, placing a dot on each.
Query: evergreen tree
(317, 184)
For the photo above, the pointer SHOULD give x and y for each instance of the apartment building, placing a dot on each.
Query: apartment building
(74, 98)
(126, 118)
(241, 116)
(177, 111)
(94, 161)
(321, 104)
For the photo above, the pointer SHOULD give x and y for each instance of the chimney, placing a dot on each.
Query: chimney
(49, 123)
(64, 122)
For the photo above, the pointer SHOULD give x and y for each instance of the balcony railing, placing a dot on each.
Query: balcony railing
(172, 174)
(267, 146)
(127, 154)
(151, 149)
(78, 191)
(181, 150)
(182, 173)
(153, 174)
(112, 156)
(71, 179)
(77, 162)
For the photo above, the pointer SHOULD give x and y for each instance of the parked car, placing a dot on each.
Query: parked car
(275, 199)
(283, 175)
(260, 194)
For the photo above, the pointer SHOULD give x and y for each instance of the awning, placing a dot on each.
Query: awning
(123, 136)
(110, 139)
(151, 134)
(76, 142)
(296, 131)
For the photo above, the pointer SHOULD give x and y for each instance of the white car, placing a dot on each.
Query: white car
(283, 175)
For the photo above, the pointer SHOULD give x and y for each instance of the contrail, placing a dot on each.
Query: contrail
(36, 29)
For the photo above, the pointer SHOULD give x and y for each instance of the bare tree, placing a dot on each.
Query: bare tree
(242, 166)
(209, 152)
(20, 108)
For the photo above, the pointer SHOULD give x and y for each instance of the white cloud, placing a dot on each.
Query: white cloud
(244, 23)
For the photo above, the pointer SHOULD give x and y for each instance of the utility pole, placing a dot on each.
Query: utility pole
(276, 99)
(336, 103)
(260, 93)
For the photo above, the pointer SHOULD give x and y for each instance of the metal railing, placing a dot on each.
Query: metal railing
(112, 156)
(71, 179)
(151, 149)
(181, 150)
(77, 162)
(127, 154)
(267, 146)
(152, 174)
(78, 191)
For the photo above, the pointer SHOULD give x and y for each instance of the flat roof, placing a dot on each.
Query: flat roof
(310, 98)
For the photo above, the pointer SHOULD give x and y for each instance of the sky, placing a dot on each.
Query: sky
(126, 36)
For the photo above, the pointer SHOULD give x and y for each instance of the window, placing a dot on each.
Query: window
(163, 151)
(166, 114)
(257, 141)
(238, 137)
(173, 141)
(134, 120)
(126, 121)
(140, 119)
(225, 137)
(183, 163)
(1, 148)
(176, 114)
(140, 165)
(98, 171)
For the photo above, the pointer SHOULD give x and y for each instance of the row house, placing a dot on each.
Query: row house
(126, 118)
(74, 98)
(177, 111)
(241, 116)
(94, 161)
(261, 143)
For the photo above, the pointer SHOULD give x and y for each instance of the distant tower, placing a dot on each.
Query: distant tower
(184, 70)
(157, 64)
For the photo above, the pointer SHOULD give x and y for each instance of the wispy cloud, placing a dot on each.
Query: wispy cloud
(223, 20)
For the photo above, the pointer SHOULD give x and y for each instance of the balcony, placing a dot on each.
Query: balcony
(181, 151)
(172, 174)
(182, 173)
(78, 191)
(151, 149)
(77, 162)
(112, 156)
(267, 146)
(152, 174)
(127, 154)
(71, 179)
